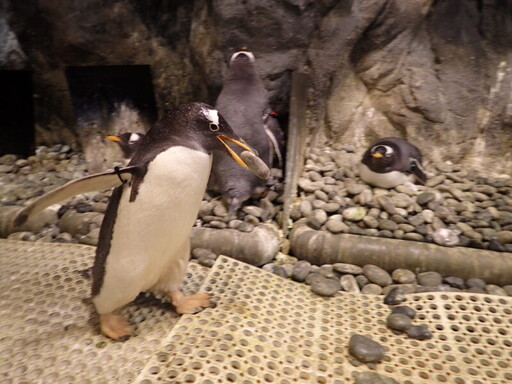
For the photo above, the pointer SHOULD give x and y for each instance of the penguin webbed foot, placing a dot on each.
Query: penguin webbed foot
(115, 326)
(189, 304)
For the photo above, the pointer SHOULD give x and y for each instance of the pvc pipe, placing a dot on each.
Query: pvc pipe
(319, 247)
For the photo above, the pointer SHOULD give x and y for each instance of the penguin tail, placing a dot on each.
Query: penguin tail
(417, 170)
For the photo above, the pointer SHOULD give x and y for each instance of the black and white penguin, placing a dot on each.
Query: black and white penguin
(392, 161)
(244, 102)
(144, 238)
(128, 142)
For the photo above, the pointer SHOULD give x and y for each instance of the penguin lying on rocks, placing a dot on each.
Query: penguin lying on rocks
(392, 161)
(243, 101)
(128, 142)
(144, 238)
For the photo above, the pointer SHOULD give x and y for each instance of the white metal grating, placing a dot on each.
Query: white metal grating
(264, 329)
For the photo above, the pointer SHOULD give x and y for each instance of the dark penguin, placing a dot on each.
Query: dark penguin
(128, 142)
(144, 239)
(392, 161)
(243, 101)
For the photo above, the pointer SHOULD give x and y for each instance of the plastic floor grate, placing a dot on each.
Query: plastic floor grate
(264, 329)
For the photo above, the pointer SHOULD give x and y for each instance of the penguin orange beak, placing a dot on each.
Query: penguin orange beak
(377, 154)
(113, 138)
(233, 154)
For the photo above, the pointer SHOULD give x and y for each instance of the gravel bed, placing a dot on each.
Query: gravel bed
(457, 207)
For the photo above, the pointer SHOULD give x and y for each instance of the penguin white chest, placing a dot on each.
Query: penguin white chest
(384, 180)
(150, 238)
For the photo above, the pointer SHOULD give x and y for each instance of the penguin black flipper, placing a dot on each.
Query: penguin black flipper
(416, 170)
(96, 182)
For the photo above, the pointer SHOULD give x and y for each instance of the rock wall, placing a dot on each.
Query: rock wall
(438, 73)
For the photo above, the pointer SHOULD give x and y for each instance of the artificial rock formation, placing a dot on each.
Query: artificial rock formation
(438, 73)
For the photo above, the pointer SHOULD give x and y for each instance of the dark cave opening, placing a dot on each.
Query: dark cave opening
(17, 135)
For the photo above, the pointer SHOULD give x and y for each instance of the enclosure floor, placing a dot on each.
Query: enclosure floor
(264, 329)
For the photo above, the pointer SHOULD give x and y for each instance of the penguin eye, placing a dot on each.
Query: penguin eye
(214, 127)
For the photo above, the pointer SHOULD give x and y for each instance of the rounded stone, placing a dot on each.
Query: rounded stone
(404, 310)
(331, 207)
(365, 349)
(388, 225)
(253, 210)
(475, 282)
(394, 297)
(492, 289)
(403, 276)
(372, 378)
(455, 282)
(371, 289)
(377, 275)
(504, 237)
(301, 270)
(354, 213)
(198, 253)
(398, 322)
(430, 278)
(349, 283)
(445, 237)
(347, 268)
(325, 287)
(425, 198)
(419, 332)
(336, 226)
(371, 222)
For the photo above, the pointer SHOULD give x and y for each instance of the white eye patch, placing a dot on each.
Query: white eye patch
(387, 150)
(134, 137)
(212, 115)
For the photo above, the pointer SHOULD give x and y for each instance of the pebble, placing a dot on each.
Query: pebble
(404, 310)
(430, 278)
(394, 297)
(475, 283)
(347, 268)
(349, 283)
(354, 213)
(446, 237)
(455, 282)
(377, 275)
(372, 378)
(324, 286)
(419, 332)
(371, 289)
(365, 349)
(301, 270)
(492, 289)
(403, 276)
(398, 322)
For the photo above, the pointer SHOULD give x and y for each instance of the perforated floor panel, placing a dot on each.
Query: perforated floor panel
(264, 329)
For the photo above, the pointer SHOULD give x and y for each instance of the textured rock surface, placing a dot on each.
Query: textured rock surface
(435, 72)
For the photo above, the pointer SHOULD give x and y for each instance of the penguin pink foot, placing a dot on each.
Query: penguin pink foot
(115, 326)
(186, 304)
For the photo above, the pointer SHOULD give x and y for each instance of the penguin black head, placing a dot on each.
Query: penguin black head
(128, 142)
(394, 154)
(194, 125)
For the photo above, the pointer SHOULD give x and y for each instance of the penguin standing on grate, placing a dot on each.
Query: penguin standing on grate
(144, 238)
(392, 161)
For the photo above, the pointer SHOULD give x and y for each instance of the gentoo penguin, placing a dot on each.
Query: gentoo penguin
(392, 161)
(128, 142)
(243, 101)
(144, 238)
